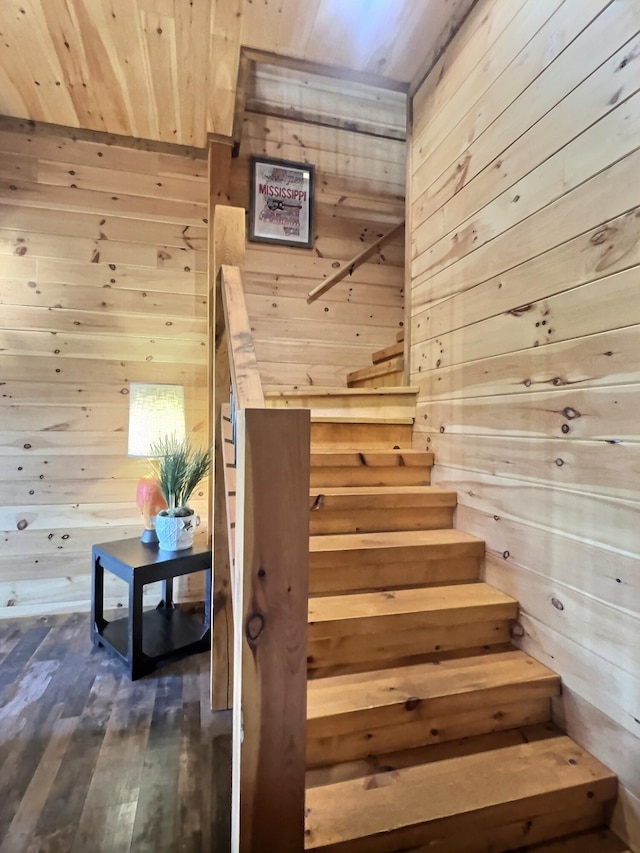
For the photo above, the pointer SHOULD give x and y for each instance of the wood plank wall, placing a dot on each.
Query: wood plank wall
(525, 326)
(102, 282)
(360, 184)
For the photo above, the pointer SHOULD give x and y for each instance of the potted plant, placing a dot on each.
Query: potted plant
(178, 468)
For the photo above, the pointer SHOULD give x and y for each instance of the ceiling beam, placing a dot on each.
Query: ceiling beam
(267, 58)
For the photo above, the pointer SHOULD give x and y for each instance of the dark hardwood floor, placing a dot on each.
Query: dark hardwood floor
(90, 761)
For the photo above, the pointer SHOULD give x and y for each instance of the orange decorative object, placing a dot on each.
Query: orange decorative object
(150, 500)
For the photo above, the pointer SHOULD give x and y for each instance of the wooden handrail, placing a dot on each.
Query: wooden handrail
(245, 376)
(261, 584)
(353, 264)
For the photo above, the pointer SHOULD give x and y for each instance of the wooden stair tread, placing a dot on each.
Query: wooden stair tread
(348, 562)
(347, 419)
(390, 404)
(394, 365)
(373, 458)
(420, 687)
(478, 601)
(387, 353)
(436, 539)
(436, 493)
(388, 762)
(464, 793)
(338, 391)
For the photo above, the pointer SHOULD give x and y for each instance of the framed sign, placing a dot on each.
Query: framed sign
(281, 205)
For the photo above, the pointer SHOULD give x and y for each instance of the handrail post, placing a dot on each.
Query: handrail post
(270, 656)
(227, 246)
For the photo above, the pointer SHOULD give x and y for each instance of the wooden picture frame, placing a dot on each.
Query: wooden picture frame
(281, 202)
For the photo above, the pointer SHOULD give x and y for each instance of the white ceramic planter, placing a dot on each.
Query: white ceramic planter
(176, 533)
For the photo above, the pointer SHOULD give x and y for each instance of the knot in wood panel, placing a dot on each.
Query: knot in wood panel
(570, 413)
(254, 627)
(520, 310)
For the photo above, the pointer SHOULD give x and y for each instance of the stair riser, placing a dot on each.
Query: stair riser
(431, 657)
(447, 723)
(361, 576)
(411, 709)
(363, 476)
(328, 436)
(402, 642)
(392, 367)
(438, 619)
(388, 353)
(387, 380)
(363, 520)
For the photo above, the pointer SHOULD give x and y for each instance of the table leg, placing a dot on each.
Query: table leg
(97, 601)
(135, 657)
(167, 595)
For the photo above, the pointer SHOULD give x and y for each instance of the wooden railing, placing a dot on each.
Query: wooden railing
(260, 597)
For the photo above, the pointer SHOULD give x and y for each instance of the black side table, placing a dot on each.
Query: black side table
(142, 639)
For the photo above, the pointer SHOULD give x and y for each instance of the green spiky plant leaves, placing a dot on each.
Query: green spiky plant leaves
(178, 468)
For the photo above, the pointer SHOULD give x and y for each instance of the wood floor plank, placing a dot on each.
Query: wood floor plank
(159, 780)
(62, 811)
(18, 836)
(26, 712)
(82, 748)
(19, 656)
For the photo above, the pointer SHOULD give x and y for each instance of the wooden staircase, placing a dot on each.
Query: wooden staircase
(427, 730)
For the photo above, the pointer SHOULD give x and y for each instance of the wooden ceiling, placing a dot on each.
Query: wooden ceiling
(166, 70)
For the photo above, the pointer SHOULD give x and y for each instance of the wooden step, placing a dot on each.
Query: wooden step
(380, 435)
(376, 765)
(365, 561)
(386, 405)
(392, 379)
(376, 371)
(393, 351)
(371, 713)
(378, 508)
(371, 468)
(495, 801)
(398, 625)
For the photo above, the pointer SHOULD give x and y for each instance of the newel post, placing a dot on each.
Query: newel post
(270, 668)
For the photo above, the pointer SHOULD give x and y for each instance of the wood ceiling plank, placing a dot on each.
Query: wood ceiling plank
(193, 27)
(114, 111)
(35, 80)
(124, 40)
(162, 58)
(226, 38)
(294, 28)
